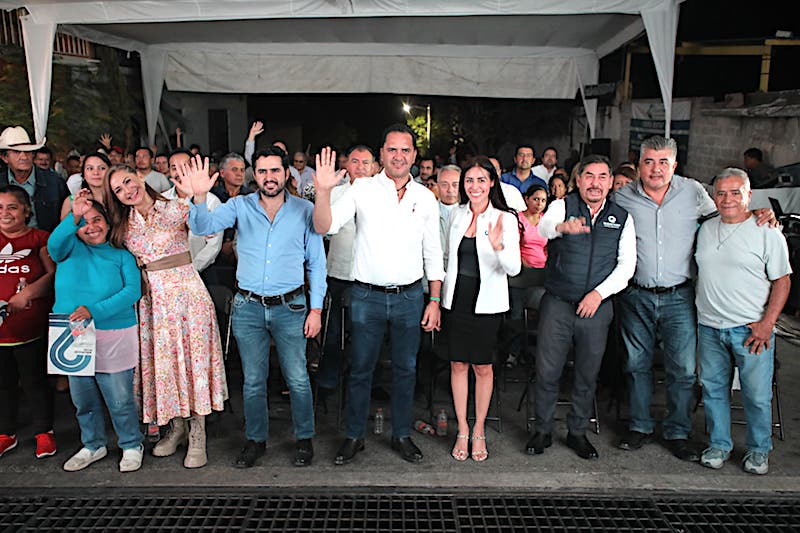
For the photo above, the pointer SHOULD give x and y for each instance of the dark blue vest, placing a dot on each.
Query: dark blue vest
(576, 264)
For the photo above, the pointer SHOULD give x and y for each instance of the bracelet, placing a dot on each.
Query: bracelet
(435, 299)
(317, 311)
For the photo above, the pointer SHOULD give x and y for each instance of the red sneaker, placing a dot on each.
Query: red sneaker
(45, 444)
(7, 443)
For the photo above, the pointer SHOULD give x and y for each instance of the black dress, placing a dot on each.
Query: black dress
(471, 337)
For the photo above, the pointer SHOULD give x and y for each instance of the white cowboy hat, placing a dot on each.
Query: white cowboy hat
(16, 138)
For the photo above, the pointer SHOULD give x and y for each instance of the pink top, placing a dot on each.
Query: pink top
(533, 247)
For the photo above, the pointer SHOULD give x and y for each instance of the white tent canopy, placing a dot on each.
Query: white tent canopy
(488, 48)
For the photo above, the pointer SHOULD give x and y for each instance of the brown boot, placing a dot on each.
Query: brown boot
(176, 436)
(196, 454)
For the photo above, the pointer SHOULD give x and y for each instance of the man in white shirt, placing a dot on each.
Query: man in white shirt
(449, 178)
(548, 166)
(203, 249)
(591, 256)
(358, 164)
(143, 158)
(397, 241)
(306, 173)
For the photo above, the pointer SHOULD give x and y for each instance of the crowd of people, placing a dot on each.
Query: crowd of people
(406, 245)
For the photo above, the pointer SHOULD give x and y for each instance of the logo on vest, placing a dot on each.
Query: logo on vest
(611, 222)
(8, 255)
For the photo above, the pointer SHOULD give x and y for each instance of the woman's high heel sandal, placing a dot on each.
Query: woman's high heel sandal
(460, 455)
(480, 455)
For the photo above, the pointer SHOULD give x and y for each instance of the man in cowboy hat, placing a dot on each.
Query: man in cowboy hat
(46, 188)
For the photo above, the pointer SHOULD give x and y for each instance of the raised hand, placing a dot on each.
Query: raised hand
(326, 177)
(105, 140)
(496, 234)
(81, 204)
(255, 130)
(178, 139)
(193, 178)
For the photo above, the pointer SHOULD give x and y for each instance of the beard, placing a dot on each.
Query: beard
(271, 194)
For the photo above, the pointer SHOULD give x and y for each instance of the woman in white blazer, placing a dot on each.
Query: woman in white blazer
(481, 251)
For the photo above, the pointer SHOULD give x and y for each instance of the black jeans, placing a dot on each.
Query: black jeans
(25, 363)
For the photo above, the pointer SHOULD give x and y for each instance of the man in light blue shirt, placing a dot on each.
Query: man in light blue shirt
(276, 245)
(522, 176)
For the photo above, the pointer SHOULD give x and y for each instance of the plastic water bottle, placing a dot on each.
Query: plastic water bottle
(441, 423)
(424, 428)
(378, 429)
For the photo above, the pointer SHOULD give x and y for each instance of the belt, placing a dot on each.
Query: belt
(391, 289)
(165, 263)
(663, 290)
(270, 300)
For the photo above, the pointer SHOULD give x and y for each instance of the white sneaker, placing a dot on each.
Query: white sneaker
(84, 458)
(131, 459)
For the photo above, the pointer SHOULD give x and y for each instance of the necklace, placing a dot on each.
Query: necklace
(398, 189)
(722, 239)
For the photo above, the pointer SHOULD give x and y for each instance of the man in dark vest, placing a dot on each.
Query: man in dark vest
(591, 256)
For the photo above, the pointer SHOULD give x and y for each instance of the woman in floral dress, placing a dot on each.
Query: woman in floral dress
(181, 373)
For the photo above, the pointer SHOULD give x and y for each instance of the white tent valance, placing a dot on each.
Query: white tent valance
(488, 48)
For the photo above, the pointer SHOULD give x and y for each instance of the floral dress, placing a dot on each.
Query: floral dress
(181, 370)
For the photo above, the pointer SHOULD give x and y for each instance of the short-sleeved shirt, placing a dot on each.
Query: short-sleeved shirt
(533, 247)
(736, 265)
(19, 258)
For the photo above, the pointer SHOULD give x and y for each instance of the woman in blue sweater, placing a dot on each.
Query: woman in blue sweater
(95, 280)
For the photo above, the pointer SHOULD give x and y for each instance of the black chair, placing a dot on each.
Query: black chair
(439, 363)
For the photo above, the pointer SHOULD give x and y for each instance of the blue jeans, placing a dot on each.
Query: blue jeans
(755, 372)
(645, 317)
(253, 326)
(116, 389)
(371, 311)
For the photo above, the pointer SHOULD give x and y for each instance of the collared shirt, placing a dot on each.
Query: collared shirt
(204, 249)
(541, 172)
(30, 187)
(512, 179)
(626, 250)
(272, 255)
(665, 233)
(340, 251)
(444, 220)
(396, 242)
(157, 181)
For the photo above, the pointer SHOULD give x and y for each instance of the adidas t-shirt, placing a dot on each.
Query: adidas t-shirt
(19, 258)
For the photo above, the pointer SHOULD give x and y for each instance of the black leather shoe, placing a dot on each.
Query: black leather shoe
(633, 440)
(681, 449)
(407, 449)
(582, 446)
(304, 453)
(348, 450)
(538, 443)
(250, 453)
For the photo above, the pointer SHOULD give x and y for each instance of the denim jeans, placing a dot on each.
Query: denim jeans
(644, 318)
(371, 311)
(116, 390)
(755, 372)
(253, 326)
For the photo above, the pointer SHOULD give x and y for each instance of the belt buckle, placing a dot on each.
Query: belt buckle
(394, 289)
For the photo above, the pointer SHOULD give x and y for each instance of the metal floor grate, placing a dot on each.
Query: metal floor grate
(221, 510)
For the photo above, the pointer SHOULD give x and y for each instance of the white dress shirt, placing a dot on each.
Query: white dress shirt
(626, 250)
(540, 171)
(494, 266)
(340, 251)
(396, 242)
(204, 250)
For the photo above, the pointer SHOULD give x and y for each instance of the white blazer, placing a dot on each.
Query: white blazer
(494, 266)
